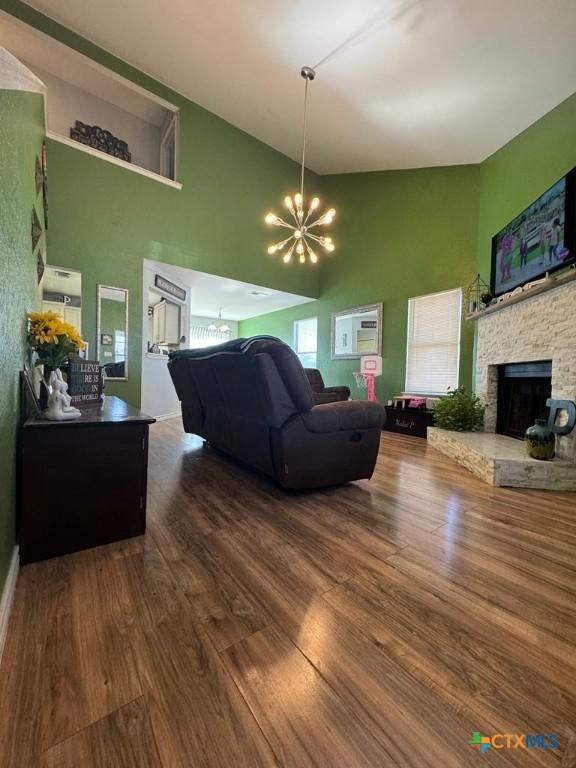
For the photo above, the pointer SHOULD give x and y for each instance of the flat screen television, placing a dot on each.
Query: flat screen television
(540, 239)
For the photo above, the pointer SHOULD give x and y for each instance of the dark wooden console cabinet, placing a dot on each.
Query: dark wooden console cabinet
(82, 483)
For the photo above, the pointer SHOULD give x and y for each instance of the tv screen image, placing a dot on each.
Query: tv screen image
(533, 243)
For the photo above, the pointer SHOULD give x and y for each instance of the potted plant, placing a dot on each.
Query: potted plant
(460, 411)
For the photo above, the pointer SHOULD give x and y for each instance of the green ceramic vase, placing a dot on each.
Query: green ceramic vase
(540, 441)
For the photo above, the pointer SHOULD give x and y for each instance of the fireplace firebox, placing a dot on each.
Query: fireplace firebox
(523, 389)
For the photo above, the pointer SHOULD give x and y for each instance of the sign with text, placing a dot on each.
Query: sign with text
(171, 288)
(84, 382)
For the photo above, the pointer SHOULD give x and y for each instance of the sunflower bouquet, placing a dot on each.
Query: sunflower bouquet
(53, 340)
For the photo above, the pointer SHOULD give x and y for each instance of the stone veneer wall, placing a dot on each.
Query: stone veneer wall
(539, 328)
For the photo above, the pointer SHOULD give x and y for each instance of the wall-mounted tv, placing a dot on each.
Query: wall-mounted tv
(539, 240)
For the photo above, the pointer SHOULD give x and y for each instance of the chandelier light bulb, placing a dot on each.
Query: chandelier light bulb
(313, 257)
(302, 258)
(315, 202)
(286, 258)
(298, 199)
(299, 248)
(270, 218)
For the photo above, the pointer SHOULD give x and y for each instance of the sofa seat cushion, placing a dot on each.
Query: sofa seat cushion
(344, 415)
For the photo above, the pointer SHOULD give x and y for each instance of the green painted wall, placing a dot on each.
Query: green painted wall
(399, 234)
(519, 172)
(21, 133)
(105, 220)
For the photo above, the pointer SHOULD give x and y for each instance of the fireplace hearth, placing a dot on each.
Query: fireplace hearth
(523, 389)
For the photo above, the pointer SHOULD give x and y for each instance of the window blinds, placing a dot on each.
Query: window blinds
(306, 340)
(433, 348)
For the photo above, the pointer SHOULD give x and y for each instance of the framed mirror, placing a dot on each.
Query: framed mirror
(112, 331)
(62, 293)
(357, 332)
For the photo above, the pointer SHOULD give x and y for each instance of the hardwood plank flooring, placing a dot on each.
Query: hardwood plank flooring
(378, 624)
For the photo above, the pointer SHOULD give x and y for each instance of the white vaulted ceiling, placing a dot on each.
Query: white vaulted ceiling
(429, 82)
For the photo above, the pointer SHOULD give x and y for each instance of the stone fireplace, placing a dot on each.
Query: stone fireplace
(525, 353)
(540, 328)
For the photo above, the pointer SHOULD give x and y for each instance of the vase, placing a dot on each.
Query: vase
(45, 386)
(540, 441)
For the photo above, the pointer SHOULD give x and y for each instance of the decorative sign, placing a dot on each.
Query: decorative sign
(84, 382)
(171, 288)
(100, 139)
(368, 323)
(35, 229)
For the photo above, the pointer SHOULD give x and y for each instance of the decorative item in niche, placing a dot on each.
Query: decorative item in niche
(35, 229)
(100, 139)
(106, 339)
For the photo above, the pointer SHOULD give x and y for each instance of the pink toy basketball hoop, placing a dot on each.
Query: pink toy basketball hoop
(371, 366)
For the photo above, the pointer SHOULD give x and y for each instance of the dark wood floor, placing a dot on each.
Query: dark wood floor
(377, 624)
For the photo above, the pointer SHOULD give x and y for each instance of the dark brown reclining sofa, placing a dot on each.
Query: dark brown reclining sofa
(251, 399)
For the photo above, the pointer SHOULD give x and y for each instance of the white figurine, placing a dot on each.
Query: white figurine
(59, 401)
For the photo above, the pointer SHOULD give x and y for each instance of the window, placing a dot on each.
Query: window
(119, 346)
(201, 336)
(433, 347)
(306, 340)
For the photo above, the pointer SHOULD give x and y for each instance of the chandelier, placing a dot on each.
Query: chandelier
(221, 327)
(302, 241)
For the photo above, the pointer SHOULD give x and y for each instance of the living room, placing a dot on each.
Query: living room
(205, 557)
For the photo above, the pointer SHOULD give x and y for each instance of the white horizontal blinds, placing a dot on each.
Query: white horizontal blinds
(306, 340)
(305, 334)
(433, 349)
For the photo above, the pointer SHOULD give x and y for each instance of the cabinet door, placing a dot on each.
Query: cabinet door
(161, 323)
(172, 335)
(72, 315)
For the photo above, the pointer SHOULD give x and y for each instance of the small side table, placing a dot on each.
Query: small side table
(82, 483)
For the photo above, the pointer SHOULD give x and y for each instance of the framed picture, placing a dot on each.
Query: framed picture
(30, 402)
(106, 339)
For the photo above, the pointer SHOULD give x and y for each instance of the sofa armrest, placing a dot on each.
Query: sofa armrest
(321, 398)
(341, 391)
(344, 415)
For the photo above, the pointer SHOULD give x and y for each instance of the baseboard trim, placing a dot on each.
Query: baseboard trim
(8, 597)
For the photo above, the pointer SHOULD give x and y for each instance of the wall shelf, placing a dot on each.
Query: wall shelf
(79, 89)
(554, 281)
(114, 160)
